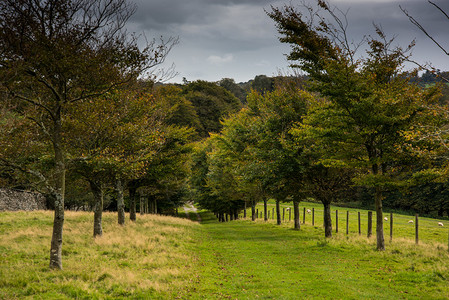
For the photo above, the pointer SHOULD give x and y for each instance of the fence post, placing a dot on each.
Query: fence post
(257, 213)
(304, 216)
(272, 213)
(290, 214)
(268, 215)
(360, 229)
(391, 227)
(313, 216)
(370, 223)
(336, 221)
(283, 214)
(347, 222)
(244, 211)
(416, 230)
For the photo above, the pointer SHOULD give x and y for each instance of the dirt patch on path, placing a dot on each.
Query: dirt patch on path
(189, 208)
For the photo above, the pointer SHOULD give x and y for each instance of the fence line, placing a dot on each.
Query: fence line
(361, 215)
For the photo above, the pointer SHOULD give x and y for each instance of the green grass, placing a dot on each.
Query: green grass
(259, 260)
(429, 230)
(172, 258)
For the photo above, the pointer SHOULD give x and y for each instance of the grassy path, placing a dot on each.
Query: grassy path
(245, 260)
(161, 257)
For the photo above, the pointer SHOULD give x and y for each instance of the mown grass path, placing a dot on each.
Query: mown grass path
(246, 260)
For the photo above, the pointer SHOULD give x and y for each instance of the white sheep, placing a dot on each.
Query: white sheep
(411, 221)
(288, 208)
(386, 219)
(309, 211)
(440, 224)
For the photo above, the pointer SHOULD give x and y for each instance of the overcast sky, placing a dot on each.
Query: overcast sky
(236, 39)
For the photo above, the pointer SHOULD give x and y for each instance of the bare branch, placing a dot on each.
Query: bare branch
(420, 27)
(34, 173)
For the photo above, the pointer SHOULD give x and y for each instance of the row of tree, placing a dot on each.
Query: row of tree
(361, 123)
(79, 112)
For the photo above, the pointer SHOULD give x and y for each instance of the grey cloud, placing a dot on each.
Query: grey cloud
(241, 30)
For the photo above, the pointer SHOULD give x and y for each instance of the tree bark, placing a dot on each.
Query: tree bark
(142, 205)
(59, 191)
(379, 221)
(278, 212)
(265, 209)
(97, 191)
(132, 203)
(120, 202)
(253, 210)
(327, 220)
(296, 214)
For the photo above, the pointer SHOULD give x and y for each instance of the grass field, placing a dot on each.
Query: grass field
(173, 258)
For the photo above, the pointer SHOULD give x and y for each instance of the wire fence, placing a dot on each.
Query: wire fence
(362, 222)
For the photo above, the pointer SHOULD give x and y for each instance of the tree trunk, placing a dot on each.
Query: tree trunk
(278, 212)
(120, 202)
(97, 191)
(142, 205)
(327, 220)
(132, 203)
(265, 209)
(379, 220)
(296, 214)
(59, 191)
(253, 210)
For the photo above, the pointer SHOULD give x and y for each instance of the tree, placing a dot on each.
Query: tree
(114, 137)
(179, 111)
(278, 112)
(370, 102)
(325, 180)
(230, 85)
(56, 54)
(212, 104)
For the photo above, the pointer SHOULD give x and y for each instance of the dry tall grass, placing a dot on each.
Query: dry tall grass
(148, 255)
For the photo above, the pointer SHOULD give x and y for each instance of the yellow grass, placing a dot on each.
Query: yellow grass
(147, 255)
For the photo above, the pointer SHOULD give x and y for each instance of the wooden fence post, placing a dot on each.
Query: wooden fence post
(290, 214)
(244, 211)
(304, 216)
(313, 216)
(416, 230)
(257, 213)
(391, 227)
(283, 214)
(272, 214)
(360, 229)
(347, 222)
(336, 221)
(370, 223)
(268, 215)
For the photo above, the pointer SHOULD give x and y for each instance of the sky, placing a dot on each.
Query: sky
(236, 39)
